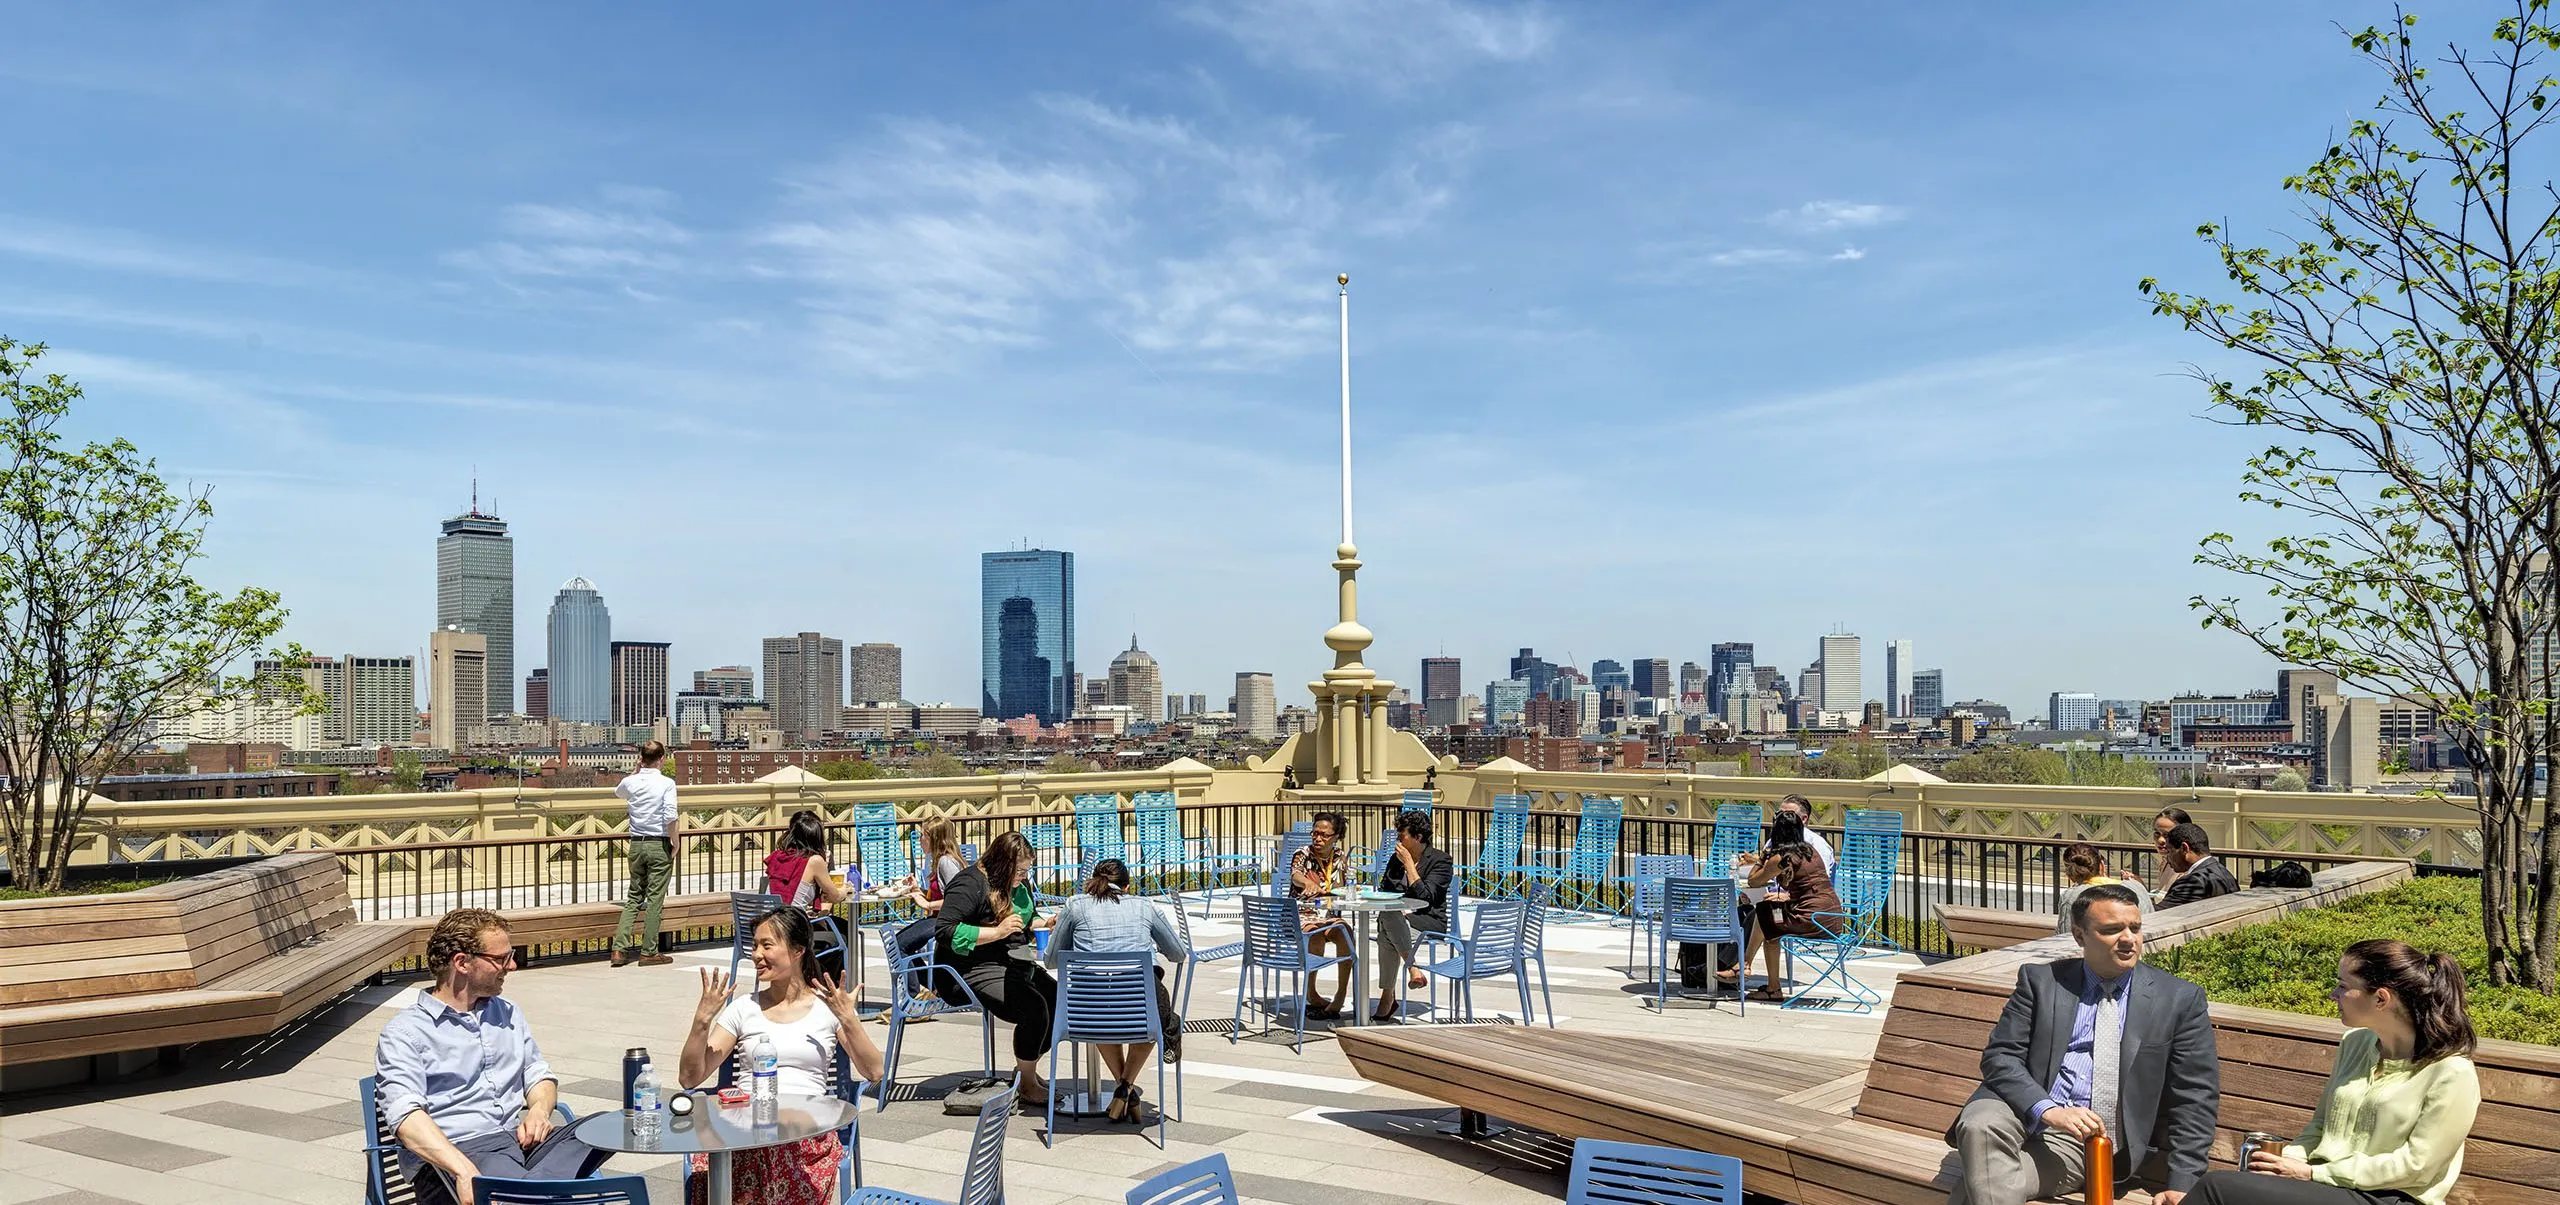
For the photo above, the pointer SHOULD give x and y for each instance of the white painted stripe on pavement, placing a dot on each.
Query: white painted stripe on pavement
(1261, 1075)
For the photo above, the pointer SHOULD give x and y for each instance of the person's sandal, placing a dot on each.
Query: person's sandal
(1137, 1114)
(1766, 994)
(1118, 1109)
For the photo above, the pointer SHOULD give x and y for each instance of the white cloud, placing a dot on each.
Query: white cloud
(1849, 254)
(1752, 257)
(1389, 44)
(554, 250)
(1815, 217)
(125, 251)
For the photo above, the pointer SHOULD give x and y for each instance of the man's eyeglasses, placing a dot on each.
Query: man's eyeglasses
(504, 958)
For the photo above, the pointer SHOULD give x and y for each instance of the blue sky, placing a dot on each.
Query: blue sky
(1670, 325)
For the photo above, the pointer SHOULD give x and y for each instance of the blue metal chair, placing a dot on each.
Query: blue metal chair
(1492, 946)
(1110, 998)
(1498, 855)
(1166, 852)
(1189, 972)
(1737, 833)
(1644, 897)
(1862, 874)
(1203, 1181)
(923, 969)
(1275, 881)
(746, 907)
(841, 1085)
(1581, 876)
(1098, 831)
(1275, 945)
(1414, 801)
(1048, 844)
(595, 1190)
(1533, 946)
(1699, 910)
(1830, 952)
(383, 1183)
(1628, 1173)
(981, 1178)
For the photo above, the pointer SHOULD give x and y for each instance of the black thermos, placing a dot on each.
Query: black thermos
(632, 1061)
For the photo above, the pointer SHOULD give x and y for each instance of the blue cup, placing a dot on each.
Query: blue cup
(1040, 941)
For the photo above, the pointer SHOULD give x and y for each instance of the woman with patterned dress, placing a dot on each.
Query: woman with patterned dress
(807, 1016)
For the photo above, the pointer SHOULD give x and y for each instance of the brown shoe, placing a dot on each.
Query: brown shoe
(621, 957)
(654, 960)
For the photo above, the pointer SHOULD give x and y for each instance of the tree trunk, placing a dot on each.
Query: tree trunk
(2497, 880)
(2546, 902)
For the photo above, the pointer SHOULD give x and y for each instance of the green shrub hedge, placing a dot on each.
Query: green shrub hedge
(2291, 964)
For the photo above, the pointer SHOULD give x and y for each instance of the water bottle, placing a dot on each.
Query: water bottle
(763, 1085)
(644, 1103)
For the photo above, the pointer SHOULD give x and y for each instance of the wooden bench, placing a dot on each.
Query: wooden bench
(233, 953)
(1583, 1085)
(1974, 928)
(1889, 1148)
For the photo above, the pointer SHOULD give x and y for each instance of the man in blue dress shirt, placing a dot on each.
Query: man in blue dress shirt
(459, 1078)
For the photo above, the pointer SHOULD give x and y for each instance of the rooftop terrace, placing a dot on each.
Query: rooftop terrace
(276, 1120)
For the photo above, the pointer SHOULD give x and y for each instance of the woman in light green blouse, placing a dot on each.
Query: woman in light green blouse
(2400, 1100)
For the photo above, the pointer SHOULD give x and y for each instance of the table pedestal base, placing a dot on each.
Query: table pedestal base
(715, 1180)
(1472, 1126)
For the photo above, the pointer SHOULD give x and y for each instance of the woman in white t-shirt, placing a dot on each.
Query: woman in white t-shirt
(807, 1016)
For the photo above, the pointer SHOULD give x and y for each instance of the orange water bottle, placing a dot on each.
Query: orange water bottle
(2102, 1170)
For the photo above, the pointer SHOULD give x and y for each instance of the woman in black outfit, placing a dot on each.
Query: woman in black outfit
(986, 921)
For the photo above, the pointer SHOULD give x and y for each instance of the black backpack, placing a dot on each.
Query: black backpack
(2282, 874)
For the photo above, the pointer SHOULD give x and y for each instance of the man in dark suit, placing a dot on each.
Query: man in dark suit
(2201, 876)
(2085, 1044)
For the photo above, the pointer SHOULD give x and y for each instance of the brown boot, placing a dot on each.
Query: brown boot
(654, 960)
(621, 957)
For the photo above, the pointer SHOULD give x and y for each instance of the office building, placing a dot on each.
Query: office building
(1198, 705)
(1440, 692)
(698, 717)
(380, 703)
(1844, 680)
(1928, 694)
(1552, 717)
(537, 695)
(804, 683)
(2257, 707)
(1257, 710)
(1136, 683)
(727, 681)
(2071, 711)
(1606, 674)
(1505, 699)
(1898, 666)
(476, 592)
(2298, 694)
(1729, 668)
(1809, 684)
(581, 655)
(1693, 685)
(1653, 677)
(639, 682)
(457, 685)
(2346, 743)
(1027, 615)
(879, 673)
(1533, 669)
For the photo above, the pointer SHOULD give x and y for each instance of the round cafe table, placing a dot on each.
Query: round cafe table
(1360, 906)
(716, 1132)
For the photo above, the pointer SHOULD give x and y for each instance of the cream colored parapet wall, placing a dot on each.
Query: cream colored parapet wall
(2382, 826)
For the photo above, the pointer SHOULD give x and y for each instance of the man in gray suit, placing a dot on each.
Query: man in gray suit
(2090, 1043)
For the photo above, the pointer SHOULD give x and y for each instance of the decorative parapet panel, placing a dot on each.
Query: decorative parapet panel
(183, 829)
(2418, 828)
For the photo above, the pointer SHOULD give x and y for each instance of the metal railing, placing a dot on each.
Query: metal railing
(426, 879)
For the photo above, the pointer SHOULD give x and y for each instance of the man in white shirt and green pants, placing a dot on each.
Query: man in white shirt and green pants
(652, 799)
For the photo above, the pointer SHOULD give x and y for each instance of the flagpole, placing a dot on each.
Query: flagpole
(1344, 281)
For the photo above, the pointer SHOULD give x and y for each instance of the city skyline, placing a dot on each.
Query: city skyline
(1544, 206)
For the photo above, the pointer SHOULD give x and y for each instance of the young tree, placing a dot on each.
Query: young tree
(103, 631)
(1068, 763)
(2402, 355)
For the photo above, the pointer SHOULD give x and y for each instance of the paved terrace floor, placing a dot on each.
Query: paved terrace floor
(275, 1120)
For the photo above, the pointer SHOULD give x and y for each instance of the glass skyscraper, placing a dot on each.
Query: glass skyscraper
(581, 654)
(1028, 609)
(476, 592)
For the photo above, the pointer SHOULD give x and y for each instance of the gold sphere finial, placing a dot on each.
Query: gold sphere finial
(1342, 279)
